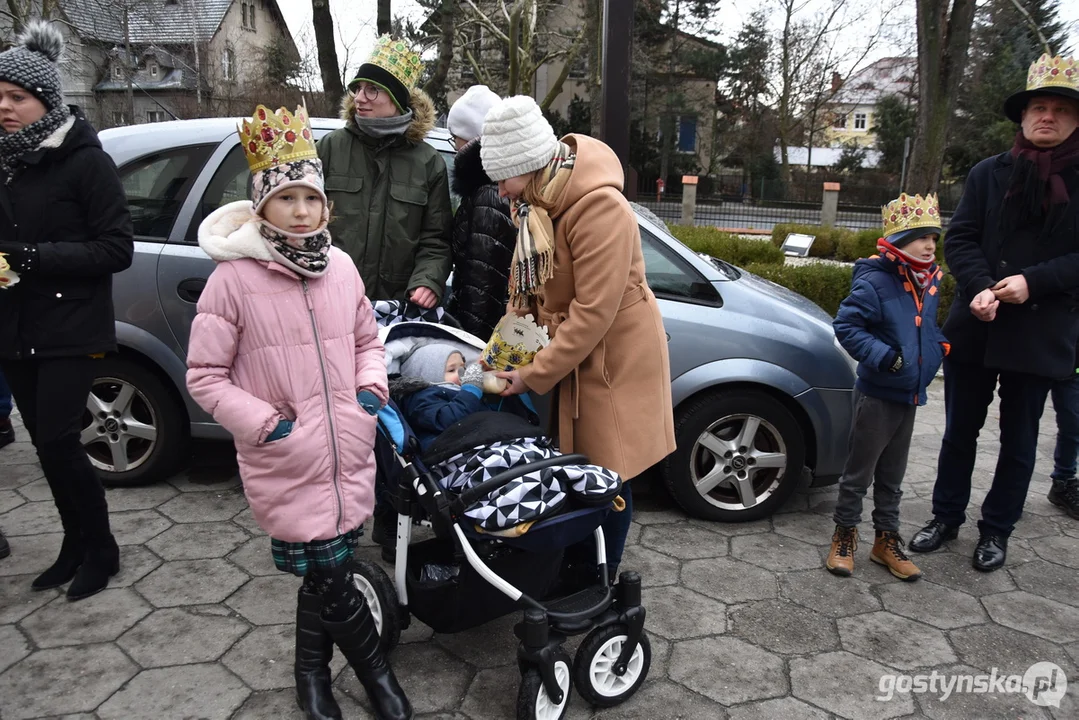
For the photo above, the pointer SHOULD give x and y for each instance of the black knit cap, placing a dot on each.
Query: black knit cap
(369, 72)
(31, 64)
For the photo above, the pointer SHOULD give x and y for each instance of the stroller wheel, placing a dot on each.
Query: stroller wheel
(533, 703)
(381, 597)
(593, 667)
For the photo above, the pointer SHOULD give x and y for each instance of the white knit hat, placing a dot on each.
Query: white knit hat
(466, 115)
(516, 139)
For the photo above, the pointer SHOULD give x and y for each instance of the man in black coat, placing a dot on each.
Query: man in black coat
(484, 235)
(64, 229)
(1014, 250)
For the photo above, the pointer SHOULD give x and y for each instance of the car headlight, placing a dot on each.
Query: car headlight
(846, 356)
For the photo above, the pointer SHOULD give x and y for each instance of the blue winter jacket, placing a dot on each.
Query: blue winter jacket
(883, 313)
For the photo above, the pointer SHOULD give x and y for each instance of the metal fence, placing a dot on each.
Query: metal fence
(773, 204)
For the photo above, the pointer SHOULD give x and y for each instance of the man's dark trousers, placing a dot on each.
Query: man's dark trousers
(968, 392)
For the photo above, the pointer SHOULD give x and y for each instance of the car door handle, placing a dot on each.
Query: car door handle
(189, 290)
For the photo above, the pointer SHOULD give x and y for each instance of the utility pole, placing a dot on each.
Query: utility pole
(615, 84)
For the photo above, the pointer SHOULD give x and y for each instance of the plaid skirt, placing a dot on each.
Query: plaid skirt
(297, 558)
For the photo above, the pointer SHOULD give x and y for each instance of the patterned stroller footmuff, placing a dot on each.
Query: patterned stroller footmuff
(529, 498)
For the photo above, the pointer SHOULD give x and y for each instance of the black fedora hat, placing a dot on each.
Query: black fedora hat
(1047, 76)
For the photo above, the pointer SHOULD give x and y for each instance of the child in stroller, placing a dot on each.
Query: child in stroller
(503, 504)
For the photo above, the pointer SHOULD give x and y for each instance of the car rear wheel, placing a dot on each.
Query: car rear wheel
(132, 429)
(740, 456)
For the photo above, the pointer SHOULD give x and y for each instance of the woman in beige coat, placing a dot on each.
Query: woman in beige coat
(579, 269)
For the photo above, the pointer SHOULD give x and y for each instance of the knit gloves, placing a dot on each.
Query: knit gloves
(21, 257)
(472, 375)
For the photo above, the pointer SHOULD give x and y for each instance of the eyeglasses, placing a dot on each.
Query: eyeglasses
(370, 92)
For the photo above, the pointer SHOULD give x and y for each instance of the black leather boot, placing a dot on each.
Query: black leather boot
(7, 433)
(101, 561)
(1065, 494)
(67, 564)
(359, 642)
(314, 650)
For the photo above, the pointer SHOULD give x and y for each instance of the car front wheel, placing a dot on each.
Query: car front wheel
(132, 429)
(740, 456)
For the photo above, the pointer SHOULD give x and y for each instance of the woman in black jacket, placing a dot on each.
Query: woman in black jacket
(483, 232)
(64, 229)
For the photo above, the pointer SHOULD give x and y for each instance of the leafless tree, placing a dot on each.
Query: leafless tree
(809, 51)
(944, 29)
(322, 20)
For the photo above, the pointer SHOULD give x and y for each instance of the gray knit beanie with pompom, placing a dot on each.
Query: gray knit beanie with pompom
(32, 63)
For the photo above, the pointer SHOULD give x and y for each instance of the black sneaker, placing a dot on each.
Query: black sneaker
(1065, 494)
(7, 433)
(5, 549)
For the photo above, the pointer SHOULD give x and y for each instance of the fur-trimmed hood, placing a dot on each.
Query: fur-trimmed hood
(401, 386)
(468, 173)
(423, 114)
(231, 233)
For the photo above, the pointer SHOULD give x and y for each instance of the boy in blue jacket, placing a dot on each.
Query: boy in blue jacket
(888, 324)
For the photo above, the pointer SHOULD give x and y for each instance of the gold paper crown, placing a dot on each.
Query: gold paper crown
(274, 138)
(1049, 71)
(396, 58)
(908, 212)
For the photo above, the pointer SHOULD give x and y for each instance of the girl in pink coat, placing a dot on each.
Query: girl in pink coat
(285, 355)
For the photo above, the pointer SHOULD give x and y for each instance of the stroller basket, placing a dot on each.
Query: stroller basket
(467, 600)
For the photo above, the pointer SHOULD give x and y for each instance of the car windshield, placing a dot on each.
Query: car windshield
(730, 271)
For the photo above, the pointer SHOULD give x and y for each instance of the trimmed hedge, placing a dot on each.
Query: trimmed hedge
(826, 285)
(825, 244)
(735, 250)
(855, 246)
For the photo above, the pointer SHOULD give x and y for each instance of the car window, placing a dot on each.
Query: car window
(448, 157)
(230, 183)
(157, 185)
(670, 276)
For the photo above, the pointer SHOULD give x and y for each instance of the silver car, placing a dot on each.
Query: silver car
(762, 391)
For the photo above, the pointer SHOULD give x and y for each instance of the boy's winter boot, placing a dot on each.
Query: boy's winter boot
(888, 551)
(841, 556)
(359, 642)
(314, 650)
(1065, 494)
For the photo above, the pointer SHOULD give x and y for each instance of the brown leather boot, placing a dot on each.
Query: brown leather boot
(888, 551)
(841, 557)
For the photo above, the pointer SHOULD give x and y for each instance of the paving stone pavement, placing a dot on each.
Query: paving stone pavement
(744, 622)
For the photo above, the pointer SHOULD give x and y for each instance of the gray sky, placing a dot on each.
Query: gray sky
(355, 24)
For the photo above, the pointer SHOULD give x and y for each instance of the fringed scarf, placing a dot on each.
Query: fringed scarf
(533, 257)
(920, 271)
(1036, 185)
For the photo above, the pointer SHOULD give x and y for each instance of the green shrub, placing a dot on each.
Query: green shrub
(825, 244)
(822, 283)
(947, 295)
(827, 285)
(861, 244)
(735, 250)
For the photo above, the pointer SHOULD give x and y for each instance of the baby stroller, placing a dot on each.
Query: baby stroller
(498, 546)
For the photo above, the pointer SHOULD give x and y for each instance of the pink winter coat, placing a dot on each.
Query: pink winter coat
(267, 344)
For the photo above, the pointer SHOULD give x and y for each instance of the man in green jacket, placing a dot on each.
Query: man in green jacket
(389, 189)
